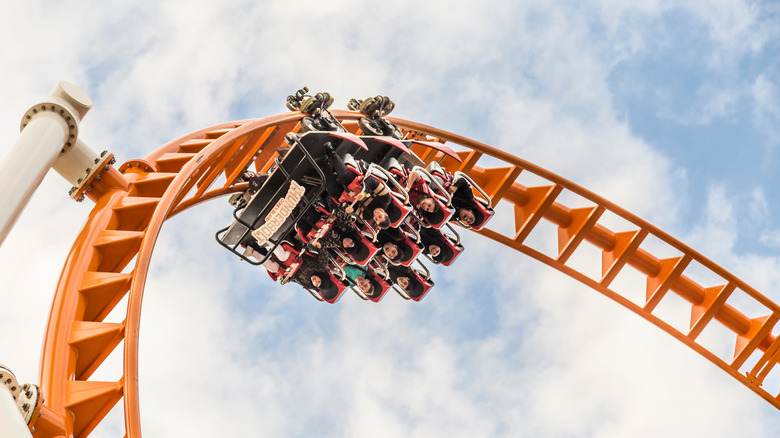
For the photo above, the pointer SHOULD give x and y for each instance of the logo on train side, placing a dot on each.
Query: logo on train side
(279, 214)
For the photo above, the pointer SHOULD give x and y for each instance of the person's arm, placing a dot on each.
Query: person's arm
(370, 185)
(413, 177)
(372, 188)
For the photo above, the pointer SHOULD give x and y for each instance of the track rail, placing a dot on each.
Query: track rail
(110, 260)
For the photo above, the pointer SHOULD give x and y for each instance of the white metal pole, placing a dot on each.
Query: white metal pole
(25, 165)
(48, 129)
(12, 424)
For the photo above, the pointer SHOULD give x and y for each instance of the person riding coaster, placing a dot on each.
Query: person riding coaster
(429, 198)
(311, 270)
(321, 229)
(283, 259)
(441, 248)
(318, 272)
(397, 246)
(399, 207)
(414, 283)
(368, 197)
(471, 212)
(365, 280)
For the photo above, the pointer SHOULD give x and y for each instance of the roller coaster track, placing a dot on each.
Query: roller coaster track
(111, 256)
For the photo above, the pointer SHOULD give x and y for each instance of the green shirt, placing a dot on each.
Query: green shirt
(352, 272)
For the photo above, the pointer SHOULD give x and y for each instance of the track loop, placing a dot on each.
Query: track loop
(110, 259)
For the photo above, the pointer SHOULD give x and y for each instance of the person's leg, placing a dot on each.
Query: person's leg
(343, 175)
(281, 254)
(332, 186)
(271, 265)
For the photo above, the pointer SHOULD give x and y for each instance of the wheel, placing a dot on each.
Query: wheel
(327, 100)
(367, 106)
(329, 124)
(387, 106)
(309, 104)
(354, 104)
(308, 124)
(368, 126)
(292, 104)
(395, 132)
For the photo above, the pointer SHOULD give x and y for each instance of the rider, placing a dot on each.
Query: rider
(464, 202)
(372, 202)
(359, 276)
(350, 241)
(277, 263)
(313, 273)
(370, 197)
(393, 245)
(406, 280)
(435, 246)
(338, 177)
(418, 196)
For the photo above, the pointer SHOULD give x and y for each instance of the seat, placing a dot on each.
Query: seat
(397, 210)
(419, 285)
(456, 249)
(372, 250)
(394, 167)
(383, 282)
(486, 212)
(414, 248)
(333, 293)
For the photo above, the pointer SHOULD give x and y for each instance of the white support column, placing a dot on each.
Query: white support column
(12, 425)
(49, 129)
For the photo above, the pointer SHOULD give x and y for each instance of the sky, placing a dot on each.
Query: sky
(669, 109)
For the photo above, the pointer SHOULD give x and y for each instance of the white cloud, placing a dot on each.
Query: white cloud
(766, 110)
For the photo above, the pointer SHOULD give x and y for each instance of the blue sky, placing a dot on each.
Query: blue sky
(669, 109)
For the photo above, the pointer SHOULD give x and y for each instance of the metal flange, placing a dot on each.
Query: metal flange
(64, 112)
(29, 403)
(67, 100)
(8, 379)
(84, 184)
(140, 164)
(28, 397)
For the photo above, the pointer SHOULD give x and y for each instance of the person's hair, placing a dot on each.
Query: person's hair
(479, 217)
(445, 254)
(397, 271)
(358, 252)
(435, 204)
(435, 217)
(329, 291)
(375, 288)
(415, 288)
(384, 223)
(404, 253)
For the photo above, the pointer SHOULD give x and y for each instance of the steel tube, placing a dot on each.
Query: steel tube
(26, 163)
(49, 128)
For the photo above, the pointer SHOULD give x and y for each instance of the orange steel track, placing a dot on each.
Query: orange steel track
(110, 260)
